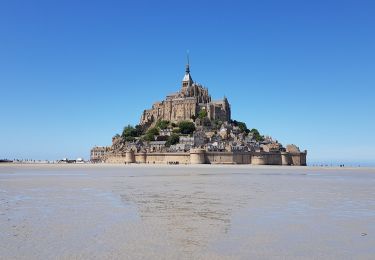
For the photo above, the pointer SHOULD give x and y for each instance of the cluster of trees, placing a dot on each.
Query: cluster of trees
(150, 134)
(186, 127)
(172, 139)
(256, 135)
(243, 129)
(130, 133)
(241, 125)
(162, 124)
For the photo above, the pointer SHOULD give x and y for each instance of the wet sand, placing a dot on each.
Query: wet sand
(186, 212)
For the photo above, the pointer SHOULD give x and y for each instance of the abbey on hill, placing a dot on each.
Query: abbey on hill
(188, 127)
(186, 104)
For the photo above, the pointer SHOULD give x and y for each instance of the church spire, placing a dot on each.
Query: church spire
(188, 63)
(187, 80)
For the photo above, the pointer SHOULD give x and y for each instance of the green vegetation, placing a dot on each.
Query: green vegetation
(153, 131)
(129, 133)
(162, 124)
(202, 114)
(150, 134)
(129, 139)
(139, 130)
(216, 124)
(256, 135)
(173, 139)
(149, 137)
(241, 125)
(186, 127)
(243, 128)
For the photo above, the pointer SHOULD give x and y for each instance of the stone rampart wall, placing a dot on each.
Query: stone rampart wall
(180, 158)
(199, 156)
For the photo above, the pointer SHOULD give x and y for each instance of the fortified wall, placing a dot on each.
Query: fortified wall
(201, 156)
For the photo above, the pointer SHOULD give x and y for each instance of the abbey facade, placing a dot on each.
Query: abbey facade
(186, 104)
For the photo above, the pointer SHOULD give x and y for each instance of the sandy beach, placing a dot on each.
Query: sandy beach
(186, 212)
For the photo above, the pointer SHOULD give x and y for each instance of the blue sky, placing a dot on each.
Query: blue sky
(73, 73)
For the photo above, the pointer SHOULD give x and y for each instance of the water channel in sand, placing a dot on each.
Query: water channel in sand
(184, 212)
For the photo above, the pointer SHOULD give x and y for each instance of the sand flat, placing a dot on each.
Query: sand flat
(186, 212)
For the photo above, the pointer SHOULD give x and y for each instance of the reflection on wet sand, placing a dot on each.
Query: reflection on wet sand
(191, 213)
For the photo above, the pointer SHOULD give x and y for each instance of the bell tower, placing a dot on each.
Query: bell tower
(187, 81)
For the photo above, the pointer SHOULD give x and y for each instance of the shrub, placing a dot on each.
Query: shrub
(162, 124)
(153, 131)
(139, 130)
(129, 131)
(149, 137)
(202, 114)
(186, 127)
(256, 135)
(173, 139)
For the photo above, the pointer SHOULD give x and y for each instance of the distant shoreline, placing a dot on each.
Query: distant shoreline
(197, 166)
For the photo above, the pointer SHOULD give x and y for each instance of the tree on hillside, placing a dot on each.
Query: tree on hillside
(153, 131)
(186, 127)
(243, 128)
(129, 130)
(256, 135)
(241, 125)
(150, 134)
(149, 137)
(202, 113)
(162, 124)
(173, 139)
(139, 129)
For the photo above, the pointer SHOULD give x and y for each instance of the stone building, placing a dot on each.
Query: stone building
(157, 146)
(186, 104)
(98, 153)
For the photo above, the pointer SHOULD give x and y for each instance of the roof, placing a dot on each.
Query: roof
(188, 78)
(157, 142)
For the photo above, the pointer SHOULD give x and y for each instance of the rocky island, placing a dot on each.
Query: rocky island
(188, 127)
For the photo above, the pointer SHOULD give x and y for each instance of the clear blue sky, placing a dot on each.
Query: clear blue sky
(73, 73)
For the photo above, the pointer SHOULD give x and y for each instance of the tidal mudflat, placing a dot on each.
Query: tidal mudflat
(186, 212)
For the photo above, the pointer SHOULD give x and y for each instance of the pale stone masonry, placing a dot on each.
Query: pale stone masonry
(98, 153)
(201, 156)
(186, 104)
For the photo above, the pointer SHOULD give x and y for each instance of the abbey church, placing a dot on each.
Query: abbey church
(186, 104)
